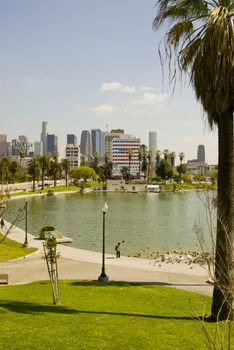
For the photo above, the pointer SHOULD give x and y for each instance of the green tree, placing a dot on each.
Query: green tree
(129, 163)
(139, 162)
(83, 172)
(201, 35)
(45, 165)
(144, 158)
(55, 170)
(34, 170)
(125, 172)
(181, 157)
(158, 157)
(164, 170)
(149, 156)
(66, 167)
(13, 168)
(4, 169)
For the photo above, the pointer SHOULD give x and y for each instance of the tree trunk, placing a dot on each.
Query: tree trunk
(223, 294)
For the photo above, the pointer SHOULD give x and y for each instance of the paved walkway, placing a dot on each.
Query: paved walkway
(82, 264)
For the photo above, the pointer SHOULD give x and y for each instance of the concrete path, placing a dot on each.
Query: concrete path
(82, 264)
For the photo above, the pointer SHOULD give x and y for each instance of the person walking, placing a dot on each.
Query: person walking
(117, 250)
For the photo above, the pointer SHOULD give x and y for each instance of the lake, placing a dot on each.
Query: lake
(141, 221)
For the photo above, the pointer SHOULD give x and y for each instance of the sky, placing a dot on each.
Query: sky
(88, 64)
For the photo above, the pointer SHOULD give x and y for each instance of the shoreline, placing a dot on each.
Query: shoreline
(81, 264)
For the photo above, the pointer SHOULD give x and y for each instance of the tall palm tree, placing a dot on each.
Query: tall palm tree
(149, 156)
(144, 159)
(55, 170)
(158, 157)
(66, 167)
(139, 161)
(181, 157)
(166, 155)
(34, 169)
(45, 164)
(13, 168)
(129, 163)
(172, 158)
(201, 35)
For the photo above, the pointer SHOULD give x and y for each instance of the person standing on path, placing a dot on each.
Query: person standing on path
(117, 250)
(2, 223)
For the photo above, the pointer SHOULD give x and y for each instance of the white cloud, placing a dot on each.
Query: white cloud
(105, 108)
(149, 98)
(116, 86)
(129, 89)
(113, 86)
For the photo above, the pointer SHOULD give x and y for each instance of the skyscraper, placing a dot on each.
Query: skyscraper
(201, 154)
(98, 142)
(85, 144)
(44, 138)
(71, 139)
(153, 145)
(52, 144)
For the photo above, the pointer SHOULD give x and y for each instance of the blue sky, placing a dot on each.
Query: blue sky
(83, 64)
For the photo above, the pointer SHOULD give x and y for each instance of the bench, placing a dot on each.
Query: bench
(4, 278)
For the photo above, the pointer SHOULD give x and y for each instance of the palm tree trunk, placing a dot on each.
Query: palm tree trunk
(223, 294)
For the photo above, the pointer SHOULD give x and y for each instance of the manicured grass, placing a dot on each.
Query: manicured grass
(95, 316)
(10, 250)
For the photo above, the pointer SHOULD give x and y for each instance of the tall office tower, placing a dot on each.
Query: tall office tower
(71, 139)
(52, 144)
(109, 136)
(201, 153)
(44, 138)
(72, 153)
(98, 142)
(3, 145)
(85, 144)
(37, 148)
(153, 146)
(120, 154)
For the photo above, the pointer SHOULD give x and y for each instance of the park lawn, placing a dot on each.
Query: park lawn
(10, 249)
(97, 316)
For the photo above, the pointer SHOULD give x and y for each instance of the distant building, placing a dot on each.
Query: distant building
(153, 146)
(109, 136)
(120, 154)
(38, 148)
(3, 145)
(71, 139)
(201, 154)
(197, 168)
(72, 153)
(85, 144)
(44, 138)
(98, 142)
(52, 144)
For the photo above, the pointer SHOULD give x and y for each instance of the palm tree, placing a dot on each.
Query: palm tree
(34, 170)
(149, 156)
(66, 167)
(181, 157)
(13, 168)
(166, 155)
(144, 159)
(201, 35)
(172, 157)
(4, 169)
(139, 161)
(129, 163)
(55, 169)
(158, 157)
(45, 164)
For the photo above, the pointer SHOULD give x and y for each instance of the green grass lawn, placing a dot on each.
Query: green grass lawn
(10, 250)
(94, 316)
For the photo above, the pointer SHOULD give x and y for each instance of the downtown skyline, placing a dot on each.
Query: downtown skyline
(93, 66)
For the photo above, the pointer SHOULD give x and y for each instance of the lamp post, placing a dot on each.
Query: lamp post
(25, 245)
(103, 277)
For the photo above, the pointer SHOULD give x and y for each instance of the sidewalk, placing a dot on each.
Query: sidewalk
(82, 264)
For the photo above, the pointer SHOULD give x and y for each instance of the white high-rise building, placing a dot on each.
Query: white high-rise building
(153, 146)
(72, 153)
(121, 146)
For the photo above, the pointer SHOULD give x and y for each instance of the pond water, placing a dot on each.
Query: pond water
(141, 221)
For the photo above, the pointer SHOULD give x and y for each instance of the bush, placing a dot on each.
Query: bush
(44, 231)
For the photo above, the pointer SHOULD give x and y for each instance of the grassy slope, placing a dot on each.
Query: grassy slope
(10, 249)
(94, 316)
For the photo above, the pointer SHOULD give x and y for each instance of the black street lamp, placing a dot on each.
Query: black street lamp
(103, 277)
(25, 245)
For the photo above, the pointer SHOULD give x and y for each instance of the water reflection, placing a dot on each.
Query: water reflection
(142, 220)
